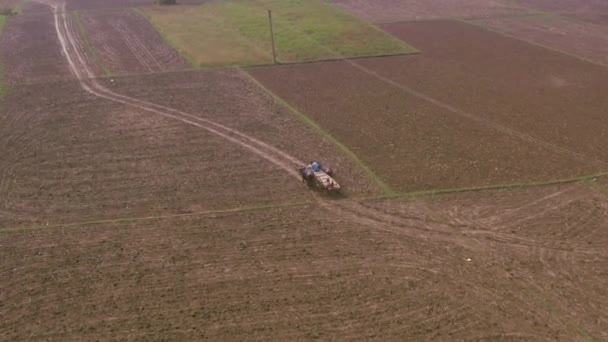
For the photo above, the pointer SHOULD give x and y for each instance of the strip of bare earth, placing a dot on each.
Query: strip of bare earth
(87, 42)
(2, 23)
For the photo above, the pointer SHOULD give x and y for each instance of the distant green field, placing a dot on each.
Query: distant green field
(237, 32)
(2, 22)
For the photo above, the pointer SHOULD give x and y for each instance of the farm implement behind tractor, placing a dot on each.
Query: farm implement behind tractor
(319, 176)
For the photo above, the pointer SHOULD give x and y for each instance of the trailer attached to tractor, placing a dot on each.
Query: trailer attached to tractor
(317, 175)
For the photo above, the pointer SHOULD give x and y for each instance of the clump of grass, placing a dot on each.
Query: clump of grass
(7, 11)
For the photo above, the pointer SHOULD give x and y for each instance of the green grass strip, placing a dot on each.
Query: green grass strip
(158, 217)
(87, 43)
(430, 193)
(312, 124)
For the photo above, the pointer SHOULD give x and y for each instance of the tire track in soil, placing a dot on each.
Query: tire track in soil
(470, 238)
(145, 49)
(135, 52)
(348, 209)
(139, 50)
(74, 52)
(465, 114)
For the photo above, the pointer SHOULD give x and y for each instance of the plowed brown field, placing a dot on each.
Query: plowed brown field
(167, 207)
(585, 37)
(545, 94)
(409, 142)
(29, 48)
(230, 98)
(70, 157)
(126, 43)
(446, 268)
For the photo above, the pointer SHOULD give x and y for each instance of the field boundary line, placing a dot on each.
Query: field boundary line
(315, 126)
(219, 67)
(338, 59)
(87, 43)
(405, 195)
(526, 185)
(158, 217)
(472, 22)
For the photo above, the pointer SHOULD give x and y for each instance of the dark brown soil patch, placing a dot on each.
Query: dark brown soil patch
(410, 143)
(582, 36)
(545, 94)
(126, 43)
(29, 48)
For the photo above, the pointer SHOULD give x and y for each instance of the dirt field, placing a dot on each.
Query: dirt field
(432, 147)
(228, 97)
(126, 43)
(593, 17)
(382, 11)
(585, 37)
(292, 275)
(532, 90)
(69, 157)
(166, 206)
(29, 48)
(570, 6)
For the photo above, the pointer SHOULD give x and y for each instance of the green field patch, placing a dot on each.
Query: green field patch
(238, 33)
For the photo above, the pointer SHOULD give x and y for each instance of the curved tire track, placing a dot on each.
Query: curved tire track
(74, 53)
